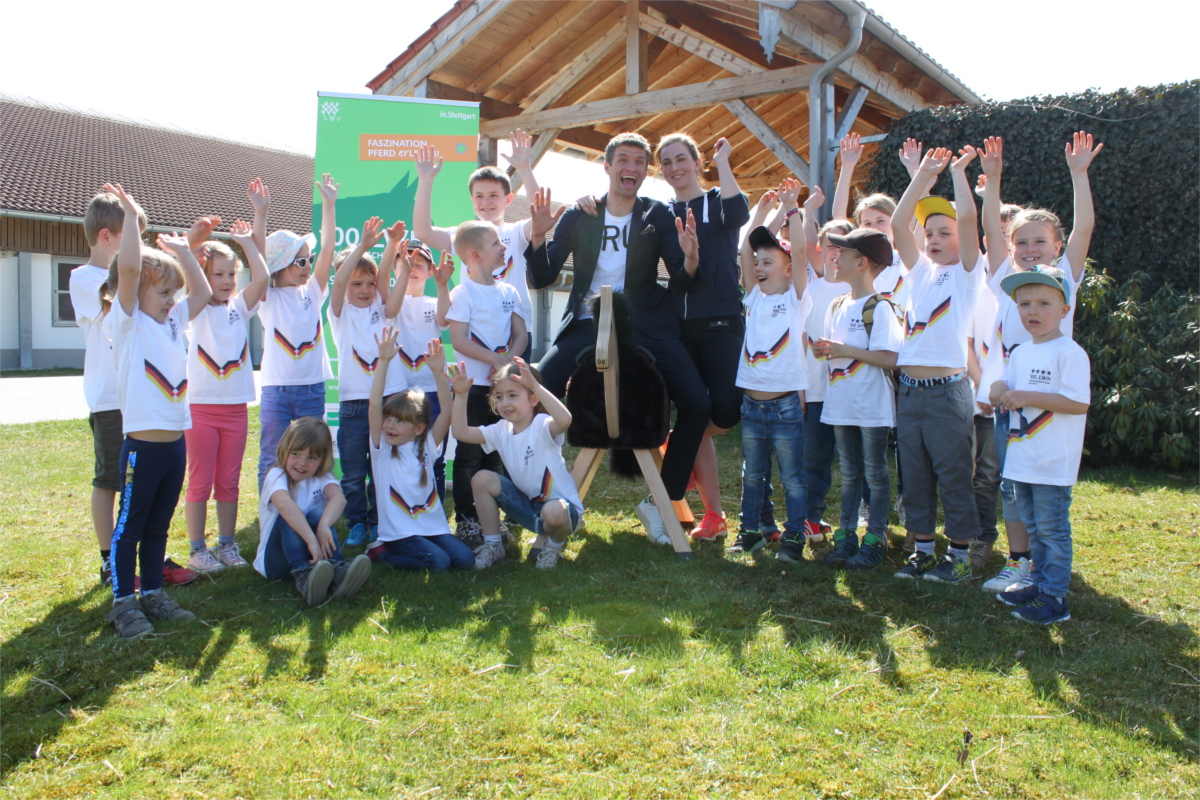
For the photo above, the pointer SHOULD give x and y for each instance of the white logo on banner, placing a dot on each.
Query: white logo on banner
(329, 111)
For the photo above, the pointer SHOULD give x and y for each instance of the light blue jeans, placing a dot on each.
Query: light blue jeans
(864, 450)
(773, 426)
(1046, 512)
(1008, 494)
(281, 405)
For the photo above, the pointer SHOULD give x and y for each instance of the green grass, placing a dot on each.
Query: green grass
(623, 673)
(53, 372)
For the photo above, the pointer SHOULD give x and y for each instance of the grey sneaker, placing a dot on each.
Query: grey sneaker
(348, 578)
(917, 565)
(159, 606)
(313, 582)
(129, 619)
(548, 558)
(203, 561)
(489, 554)
(950, 570)
(748, 542)
(980, 553)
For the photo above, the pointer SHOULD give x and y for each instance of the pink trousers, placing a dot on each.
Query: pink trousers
(215, 446)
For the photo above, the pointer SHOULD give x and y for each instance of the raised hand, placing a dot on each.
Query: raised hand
(435, 356)
(525, 376)
(816, 199)
(991, 158)
(128, 204)
(766, 204)
(522, 145)
(965, 156)
(259, 196)
(372, 232)
(174, 243)
(386, 341)
(396, 232)
(428, 162)
(981, 184)
(444, 270)
(910, 155)
(722, 151)
(1081, 150)
(544, 219)
(789, 192)
(935, 161)
(851, 149)
(242, 232)
(687, 236)
(460, 381)
(328, 188)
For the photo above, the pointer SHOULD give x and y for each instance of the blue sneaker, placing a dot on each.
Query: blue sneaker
(845, 547)
(950, 570)
(374, 534)
(358, 535)
(1019, 595)
(1045, 609)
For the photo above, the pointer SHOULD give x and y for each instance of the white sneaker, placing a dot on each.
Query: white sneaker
(229, 555)
(548, 558)
(489, 554)
(203, 561)
(651, 520)
(1014, 576)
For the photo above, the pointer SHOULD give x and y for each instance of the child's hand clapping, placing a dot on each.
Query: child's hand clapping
(444, 270)
(435, 356)
(386, 341)
(460, 381)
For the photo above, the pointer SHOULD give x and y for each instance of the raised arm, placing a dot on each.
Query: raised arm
(329, 193)
(243, 234)
(902, 234)
(461, 383)
(728, 181)
(260, 198)
(812, 244)
(520, 336)
(992, 161)
(201, 231)
(198, 290)
(395, 240)
(129, 256)
(521, 160)
(435, 357)
(429, 164)
(372, 231)
(441, 279)
(745, 255)
(559, 415)
(788, 200)
(964, 209)
(396, 263)
(386, 341)
(851, 151)
(544, 263)
(1080, 153)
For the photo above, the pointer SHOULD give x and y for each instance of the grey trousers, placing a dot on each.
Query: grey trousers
(936, 441)
(987, 478)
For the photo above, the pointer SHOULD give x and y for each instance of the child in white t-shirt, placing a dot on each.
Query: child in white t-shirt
(538, 492)
(405, 439)
(295, 363)
(299, 504)
(91, 297)
(357, 316)
(486, 330)
(491, 193)
(773, 374)
(419, 318)
(146, 328)
(860, 344)
(1046, 391)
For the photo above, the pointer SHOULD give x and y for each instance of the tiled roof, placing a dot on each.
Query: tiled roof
(53, 160)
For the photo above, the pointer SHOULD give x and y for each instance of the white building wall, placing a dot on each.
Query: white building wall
(9, 331)
(45, 335)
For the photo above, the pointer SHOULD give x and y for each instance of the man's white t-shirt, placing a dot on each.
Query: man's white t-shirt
(308, 494)
(99, 374)
(1044, 446)
(354, 335)
(773, 347)
(822, 292)
(293, 347)
(533, 459)
(416, 324)
(859, 394)
(488, 312)
(151, 361)
(219, 368)
(406, 506)
(939, 313)
(610, 264)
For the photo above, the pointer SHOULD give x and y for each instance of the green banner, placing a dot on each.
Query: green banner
(368, 144)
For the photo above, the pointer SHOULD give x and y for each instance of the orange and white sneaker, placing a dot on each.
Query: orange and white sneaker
(711, 528)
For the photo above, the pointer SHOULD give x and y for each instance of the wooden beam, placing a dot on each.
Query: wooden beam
(534, 85)
(488, 108)
(487, 152)
(697, 46)
(565, 79)
(636, 55)
(799, 30)
(539, 149)
(505, 66)
(442, 48)
(585, 139)
(724, 35)
(849, 112)
(770, 139)
(792, 79)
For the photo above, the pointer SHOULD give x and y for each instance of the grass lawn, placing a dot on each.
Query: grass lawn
(623, 673)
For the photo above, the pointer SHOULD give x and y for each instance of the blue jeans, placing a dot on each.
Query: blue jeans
(280, 405)
(358, 484)
(286, 552)
(818, 460)
(773, 426)
(525, 512)
(862, 453)
(432, 553)
(1008, 492)
(1046, 512)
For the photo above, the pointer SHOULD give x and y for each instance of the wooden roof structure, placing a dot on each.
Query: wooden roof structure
(576, 73)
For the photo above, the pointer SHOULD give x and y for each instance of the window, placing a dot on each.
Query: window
(62, 312)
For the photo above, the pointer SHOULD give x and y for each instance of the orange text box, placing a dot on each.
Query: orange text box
(399, 147)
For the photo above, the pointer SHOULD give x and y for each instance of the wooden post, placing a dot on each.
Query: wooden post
(636, 50)
(487, 151)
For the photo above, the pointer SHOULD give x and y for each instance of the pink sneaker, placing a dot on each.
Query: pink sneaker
(711, 528)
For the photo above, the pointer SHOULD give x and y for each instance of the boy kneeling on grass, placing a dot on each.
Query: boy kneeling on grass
(1046, 390)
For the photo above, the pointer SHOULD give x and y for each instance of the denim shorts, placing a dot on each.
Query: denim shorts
(526, 512)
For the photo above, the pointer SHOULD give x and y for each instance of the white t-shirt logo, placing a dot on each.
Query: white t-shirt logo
(528, 455)
(618, 235)
(174, 328)
(307, 304)
(779, 309)
(1040, 377)
(234, 316)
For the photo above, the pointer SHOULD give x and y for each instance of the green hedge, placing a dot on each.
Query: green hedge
(1145, 184)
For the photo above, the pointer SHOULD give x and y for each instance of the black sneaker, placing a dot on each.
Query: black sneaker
(469, 532)
(950, 570)
(845, 546)
(870, 554)
(792, 549)
(917, 565)
(748, 543)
